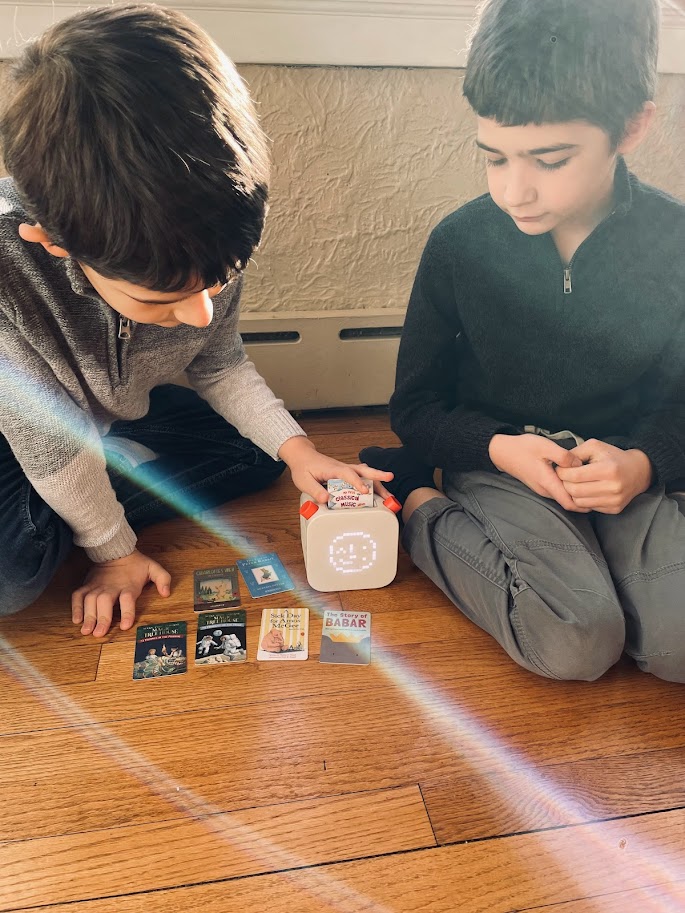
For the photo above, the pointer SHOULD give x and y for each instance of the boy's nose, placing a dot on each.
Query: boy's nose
(196, 311)
(519, 191)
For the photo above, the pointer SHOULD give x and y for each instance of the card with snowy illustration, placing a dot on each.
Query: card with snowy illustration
(284, 634)
(346, 638)
(221, 638)
(160, 650)
(216, 588)
(265, 575)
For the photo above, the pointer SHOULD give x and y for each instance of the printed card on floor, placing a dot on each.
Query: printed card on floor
(221, 638)
(284, 634)
(346, 638)
(216, 588)
(160, 650)
(265, 575)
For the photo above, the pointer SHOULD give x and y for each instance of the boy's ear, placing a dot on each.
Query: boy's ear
(637, 128)
(36, 235)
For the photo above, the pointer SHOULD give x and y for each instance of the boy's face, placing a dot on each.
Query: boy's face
(165, 309)
(550, 177)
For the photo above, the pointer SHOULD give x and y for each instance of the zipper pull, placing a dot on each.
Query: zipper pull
(568, 288)
(124, 328)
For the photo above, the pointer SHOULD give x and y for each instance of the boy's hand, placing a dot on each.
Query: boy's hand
(610, 479)
(309, 468)
(122, 581)
(532, 459)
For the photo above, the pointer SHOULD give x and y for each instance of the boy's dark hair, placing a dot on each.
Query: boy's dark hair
(549, 61)
(132, 140)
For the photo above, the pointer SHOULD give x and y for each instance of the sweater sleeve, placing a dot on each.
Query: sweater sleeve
(59, 449)
(223, 375)
(660, 432)
(425, 412)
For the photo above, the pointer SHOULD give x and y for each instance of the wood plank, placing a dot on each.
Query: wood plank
(344, 421)
(374, 739)
(212, 847)
(471, 808)
(117, 697)
(655, 899)
(494, 876)
(61, 665)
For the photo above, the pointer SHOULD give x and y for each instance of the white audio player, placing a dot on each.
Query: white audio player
(354, 549)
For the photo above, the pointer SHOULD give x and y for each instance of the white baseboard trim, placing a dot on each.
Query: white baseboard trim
(389, 33)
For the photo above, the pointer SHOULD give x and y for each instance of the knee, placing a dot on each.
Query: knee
(27, 569)
(17, 594)
(584, 646)
(663, 656)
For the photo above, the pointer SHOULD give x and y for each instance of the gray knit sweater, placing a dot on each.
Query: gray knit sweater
(65, 376)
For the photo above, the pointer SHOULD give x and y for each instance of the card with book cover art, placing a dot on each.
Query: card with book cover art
(284, 634)
(216, 588)
(346, 638)
(221, 638)
(160, 650)
(265, 575)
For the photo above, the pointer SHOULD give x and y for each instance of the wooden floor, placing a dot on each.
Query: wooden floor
(439, 778)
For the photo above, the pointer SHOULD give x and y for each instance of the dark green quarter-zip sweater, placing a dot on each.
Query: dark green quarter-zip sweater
(501, 334)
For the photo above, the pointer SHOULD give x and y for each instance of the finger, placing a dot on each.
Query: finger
(564, 458)
(351, 474)
(593, 490)
(556, 489)
(160, 577)
(90, 614)
(77, 598)
(105, 610)
(381, 490)
(127, 606)
(376, 475)
(315, 490)
(590, 450)
(603, 505)
(590, 472)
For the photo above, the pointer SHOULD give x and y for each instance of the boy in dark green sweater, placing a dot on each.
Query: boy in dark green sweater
(542, 364)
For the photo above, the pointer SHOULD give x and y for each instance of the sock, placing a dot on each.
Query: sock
(410, 473)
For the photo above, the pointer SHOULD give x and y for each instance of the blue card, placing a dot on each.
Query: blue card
(265, 575)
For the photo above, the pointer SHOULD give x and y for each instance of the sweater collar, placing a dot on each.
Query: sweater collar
(623, 188)
(77, 279)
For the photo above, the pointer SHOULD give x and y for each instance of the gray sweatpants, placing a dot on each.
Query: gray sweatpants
(565, 594)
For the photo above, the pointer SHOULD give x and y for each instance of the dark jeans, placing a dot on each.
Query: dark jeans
(201, 462)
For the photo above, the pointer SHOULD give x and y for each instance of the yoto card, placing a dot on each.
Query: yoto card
(216, 588)
(346, 638)
(284, 634)
(160, 650)
(265, 575)
(221, 638)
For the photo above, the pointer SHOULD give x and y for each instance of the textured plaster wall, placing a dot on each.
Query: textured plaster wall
(366, 161)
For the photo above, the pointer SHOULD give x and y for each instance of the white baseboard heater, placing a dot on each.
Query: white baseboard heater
(326, 359)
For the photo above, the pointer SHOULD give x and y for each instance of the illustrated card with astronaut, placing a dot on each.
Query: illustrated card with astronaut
(216, 588)
(346, 638)
(265, 575)
(160, 650)
(221, 638)
(284, 634)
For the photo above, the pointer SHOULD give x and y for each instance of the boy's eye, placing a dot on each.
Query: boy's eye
(553, 166)
(494, 163)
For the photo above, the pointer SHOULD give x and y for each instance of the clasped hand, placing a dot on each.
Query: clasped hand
(593, 476)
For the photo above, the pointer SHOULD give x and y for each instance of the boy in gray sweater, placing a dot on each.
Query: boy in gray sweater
(137, 196)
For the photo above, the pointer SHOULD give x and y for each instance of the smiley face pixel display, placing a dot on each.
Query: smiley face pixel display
(353, 552)
(348, 549)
